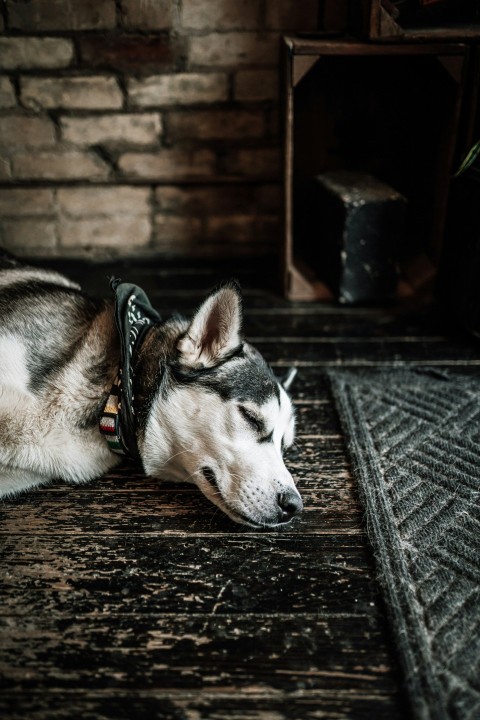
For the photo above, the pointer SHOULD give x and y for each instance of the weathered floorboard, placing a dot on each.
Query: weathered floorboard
(220, 653)
(174, 704)
(135, 574)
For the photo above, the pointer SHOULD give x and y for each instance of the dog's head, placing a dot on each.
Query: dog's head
(220, 418)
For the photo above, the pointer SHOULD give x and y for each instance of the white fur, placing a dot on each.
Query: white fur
(194, 429)
(14, 276)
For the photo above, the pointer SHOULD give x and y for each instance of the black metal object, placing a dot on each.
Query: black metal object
(360, 227)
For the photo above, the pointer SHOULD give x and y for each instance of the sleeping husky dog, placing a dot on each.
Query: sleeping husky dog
(207, 407)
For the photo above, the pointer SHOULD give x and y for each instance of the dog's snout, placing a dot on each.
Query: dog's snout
(290, 504)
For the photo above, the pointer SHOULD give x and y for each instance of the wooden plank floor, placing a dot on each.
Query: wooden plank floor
(128, 598)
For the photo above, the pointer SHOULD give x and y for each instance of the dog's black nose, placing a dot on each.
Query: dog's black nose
(290, 503)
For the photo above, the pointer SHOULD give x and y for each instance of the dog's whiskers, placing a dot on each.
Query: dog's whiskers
(181, 452)
(196, 472)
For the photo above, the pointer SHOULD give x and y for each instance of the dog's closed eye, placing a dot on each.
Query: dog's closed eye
(257, 424)
(252, 419)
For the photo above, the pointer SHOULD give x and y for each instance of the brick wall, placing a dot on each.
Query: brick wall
(142, 126)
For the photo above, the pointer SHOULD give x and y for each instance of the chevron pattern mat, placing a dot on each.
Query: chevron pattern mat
(413, 439)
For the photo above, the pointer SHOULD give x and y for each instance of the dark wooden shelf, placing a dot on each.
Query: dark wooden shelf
(389, 109)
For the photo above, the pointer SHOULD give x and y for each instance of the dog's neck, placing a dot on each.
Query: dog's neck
(156, 350)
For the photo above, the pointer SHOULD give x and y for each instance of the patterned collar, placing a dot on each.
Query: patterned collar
(134, 316)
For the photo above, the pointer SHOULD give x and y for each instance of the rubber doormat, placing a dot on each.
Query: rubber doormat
(413, 438)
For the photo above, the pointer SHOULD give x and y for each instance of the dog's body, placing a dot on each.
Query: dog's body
(208, 408)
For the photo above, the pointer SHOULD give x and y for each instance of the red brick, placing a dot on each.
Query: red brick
(28, 235)
(122, 233)
(168, 164)
(79, 202)
(38, 15)
(75, 93)
(254, 162)
(290, 15)
(234, 48)
(5, 169)
(251, 85)
(216, 124)
(202, 201)
(176, 235)
(7, 94)
(139, 129)
(26, 131)
(41, 52)
(136, 53)
(26, 202)
(147, 14)
(231, 228)
(178, 89)
(59, 165)
(224, 15)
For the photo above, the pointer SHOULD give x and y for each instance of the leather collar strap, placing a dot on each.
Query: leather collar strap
(134, 315)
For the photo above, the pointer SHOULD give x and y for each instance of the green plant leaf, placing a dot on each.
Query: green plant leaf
(469, 158)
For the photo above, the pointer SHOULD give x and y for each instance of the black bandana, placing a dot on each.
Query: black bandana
(134, 315)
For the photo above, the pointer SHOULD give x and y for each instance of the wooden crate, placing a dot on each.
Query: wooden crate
(427, 20)
(388, 109)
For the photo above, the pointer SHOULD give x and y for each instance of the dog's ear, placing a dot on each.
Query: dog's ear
(214, 332)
